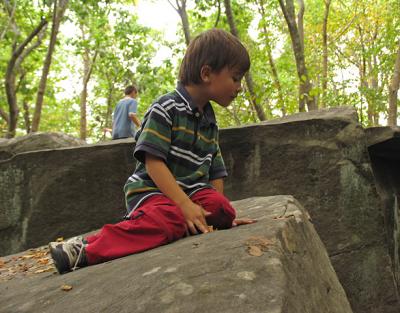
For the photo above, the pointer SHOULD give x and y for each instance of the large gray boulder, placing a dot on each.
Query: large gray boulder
(384, 149)
(320, 157)
(276, 265)
(61, 192)
(36, 141)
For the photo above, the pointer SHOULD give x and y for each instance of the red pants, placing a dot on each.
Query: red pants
(156, 222)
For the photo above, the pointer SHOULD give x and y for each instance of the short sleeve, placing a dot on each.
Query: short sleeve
(132, 106)
(217, 168)
(155, 134)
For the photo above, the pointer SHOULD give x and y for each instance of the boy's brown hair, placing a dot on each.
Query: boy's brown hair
(215, 48)
(129, 89)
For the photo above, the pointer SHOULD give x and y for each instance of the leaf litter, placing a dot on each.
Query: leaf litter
(28, 263)
(257, 245)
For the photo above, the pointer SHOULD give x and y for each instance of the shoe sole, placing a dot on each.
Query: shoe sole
(59, 261)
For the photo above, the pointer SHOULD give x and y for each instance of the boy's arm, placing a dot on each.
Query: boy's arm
(135, 119)
(160, 174)
(218, 184)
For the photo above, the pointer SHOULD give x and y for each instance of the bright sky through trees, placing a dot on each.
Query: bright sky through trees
(348, 58)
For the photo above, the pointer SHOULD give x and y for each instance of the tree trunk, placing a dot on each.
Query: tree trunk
(325, 53)
(11, 12)
(83, 98)
(369, 93)
(274, 71)
(363, 85)
(393, 90)
(58, 13)
(87, 72)
(10, 77)
(108, 122)
(296, 35)
(26, 117)
(181, 9)
(248, 77)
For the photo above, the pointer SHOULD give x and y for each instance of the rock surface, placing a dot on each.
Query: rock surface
(289, 272)
(61, 192)
(319, 157)
(384, 150)
(36, 141)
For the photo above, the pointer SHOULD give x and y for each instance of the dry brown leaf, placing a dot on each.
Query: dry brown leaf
(261, 242)
(254, 251)
(39, 271)
(2, 263)
(282, 217)
(66, 287)
(40, 255)
(256, 245)
(43, 261)
(47, 269)
(23, 267)
(210, 228)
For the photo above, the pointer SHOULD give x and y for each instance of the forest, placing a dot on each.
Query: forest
(305, 54)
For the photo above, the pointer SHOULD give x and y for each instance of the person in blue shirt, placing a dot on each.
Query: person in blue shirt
(125, 118)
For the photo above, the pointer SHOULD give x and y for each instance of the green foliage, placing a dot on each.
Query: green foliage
(362, 43)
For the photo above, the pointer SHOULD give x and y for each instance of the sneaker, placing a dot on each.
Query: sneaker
(78, 240)
(68, 255)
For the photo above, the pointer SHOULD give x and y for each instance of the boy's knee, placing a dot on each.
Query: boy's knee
(224, 214)
(224, 203)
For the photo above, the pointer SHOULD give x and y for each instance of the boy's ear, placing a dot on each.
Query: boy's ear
(205, 73)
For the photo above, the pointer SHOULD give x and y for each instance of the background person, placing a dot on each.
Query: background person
(124, 117)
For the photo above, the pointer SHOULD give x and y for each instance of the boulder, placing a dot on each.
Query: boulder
(320, 157)
(61, 192)
(36, 141)
(384, 149)
(278, 264)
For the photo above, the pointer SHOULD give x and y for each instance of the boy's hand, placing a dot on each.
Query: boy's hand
(243, 221)
(195, 217)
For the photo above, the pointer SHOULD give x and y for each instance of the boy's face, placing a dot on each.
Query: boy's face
(225, 85)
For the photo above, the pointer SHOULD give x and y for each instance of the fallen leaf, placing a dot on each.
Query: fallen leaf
(60, 239)
(261, 242)
(256, 245)
(24, 267)
(66, 287)
(282, 217)
(254, 251)
(43, 261)
(47, 269)
(2, 263)
(39, 271)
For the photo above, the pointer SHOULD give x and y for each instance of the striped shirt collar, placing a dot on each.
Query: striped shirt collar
(208, 112)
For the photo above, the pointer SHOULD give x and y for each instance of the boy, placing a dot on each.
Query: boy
(177, 186)
(124, 117)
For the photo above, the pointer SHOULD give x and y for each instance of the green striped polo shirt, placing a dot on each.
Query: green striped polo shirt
(174, 130)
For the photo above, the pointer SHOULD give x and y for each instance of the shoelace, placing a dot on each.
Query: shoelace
(78, 259)
(77, 244)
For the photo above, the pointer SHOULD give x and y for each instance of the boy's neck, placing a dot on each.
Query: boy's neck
(198, 95)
